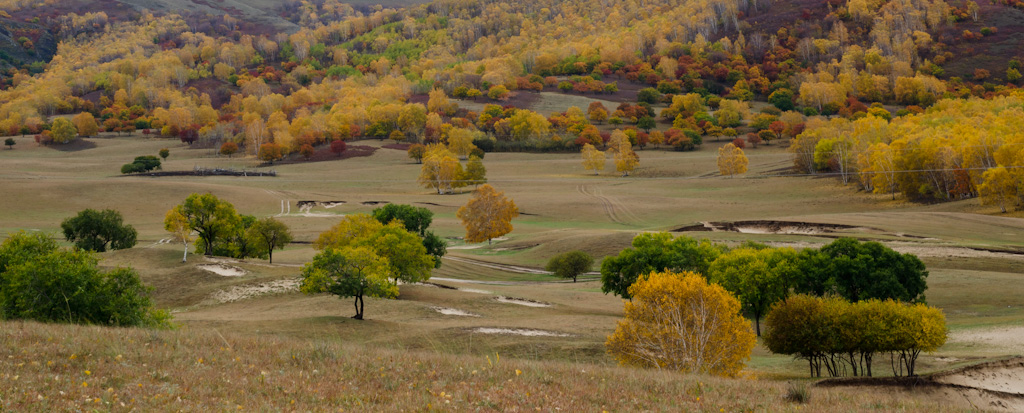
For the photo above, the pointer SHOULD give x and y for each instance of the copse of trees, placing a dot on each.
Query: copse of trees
(40, 281)
(222, 230)
(844, 337)
(141, 164)
(760, 276)
(653, 252)
(94, 230)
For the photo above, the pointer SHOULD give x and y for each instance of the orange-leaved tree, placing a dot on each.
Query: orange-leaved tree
(487, 215)
(680, 322)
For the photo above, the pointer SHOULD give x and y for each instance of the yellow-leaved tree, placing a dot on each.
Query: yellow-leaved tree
(625, 158)
(998, 187)
(487, 215)
(731, 160)
(85, 123)
(441, 170)
(593, 159)
(679, 322)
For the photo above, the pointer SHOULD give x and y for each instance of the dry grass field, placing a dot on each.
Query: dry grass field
(480, 303)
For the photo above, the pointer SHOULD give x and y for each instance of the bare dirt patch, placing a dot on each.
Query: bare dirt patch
(238, 293)
(992, 386)
(521, 301)
(223, 270)
(454, 311)
(519, 332)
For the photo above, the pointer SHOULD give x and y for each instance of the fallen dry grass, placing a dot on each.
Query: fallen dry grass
(45, 367)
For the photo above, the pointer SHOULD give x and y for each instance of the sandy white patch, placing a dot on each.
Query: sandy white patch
(466, 247)
(330, 205)
(475, 291)
(243, 292)
(520, 301)
(454, 311)
(1004, 376)
(519, 331)
(223, 270)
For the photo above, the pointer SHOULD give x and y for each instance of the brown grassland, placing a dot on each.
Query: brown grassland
(254, 342)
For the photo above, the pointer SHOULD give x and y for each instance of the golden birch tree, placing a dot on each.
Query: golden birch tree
(487, 215)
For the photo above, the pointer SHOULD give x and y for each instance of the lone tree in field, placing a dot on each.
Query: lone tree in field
(487, 215)
(570, 264)
(10, 143)
(402, 251)
(212, 218)
(178, 226)
(338, 147)
(349, 272)
(680, 322)
(593, 159)
(271, 233)
(164, 153)
(93, 230)
(731, 160)
(270, 152)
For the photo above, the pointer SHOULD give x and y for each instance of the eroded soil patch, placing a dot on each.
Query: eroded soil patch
(521, 301)
(529, 332)
(223, 270)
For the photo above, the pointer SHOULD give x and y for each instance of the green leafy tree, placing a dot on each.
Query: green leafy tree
(10, 143)
(240, 242)
(570, 264)
(94, 230)
(782, 99)
(354, 272)
(646, 123)
(652, 252)
(271, 233)
(210, 217)
(863, 270)
(757, 277)
(648, 95)
(403, 250)
(414, 219)
(164, 153)
(39, 281)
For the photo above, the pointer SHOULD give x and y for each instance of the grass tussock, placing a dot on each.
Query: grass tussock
(798, 392)
(46, 367)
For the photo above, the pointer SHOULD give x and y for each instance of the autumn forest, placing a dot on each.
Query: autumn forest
(731, 191)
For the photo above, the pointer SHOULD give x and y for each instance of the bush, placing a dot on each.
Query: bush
(679, 322)
(648, 95)
(39, 281)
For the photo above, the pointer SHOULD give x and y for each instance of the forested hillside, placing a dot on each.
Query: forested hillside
(683, 71)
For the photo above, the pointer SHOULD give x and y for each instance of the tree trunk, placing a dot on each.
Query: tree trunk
(184, 258)
(359, 308)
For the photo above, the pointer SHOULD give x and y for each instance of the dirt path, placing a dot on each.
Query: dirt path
(616, 211)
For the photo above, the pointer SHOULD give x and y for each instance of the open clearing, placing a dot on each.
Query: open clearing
(976, 261)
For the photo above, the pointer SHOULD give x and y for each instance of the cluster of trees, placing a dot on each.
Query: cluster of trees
(441, 169)
(41, 281)
(956, 149)
(222, 231)
(144, 163)
(761, 276)
(620, 146)
(845, 336)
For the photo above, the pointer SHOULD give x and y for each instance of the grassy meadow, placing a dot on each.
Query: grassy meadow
(976, 278)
